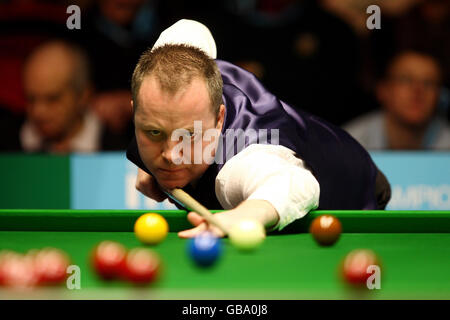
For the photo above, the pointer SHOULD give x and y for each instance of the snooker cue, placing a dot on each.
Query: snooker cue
(194, 205)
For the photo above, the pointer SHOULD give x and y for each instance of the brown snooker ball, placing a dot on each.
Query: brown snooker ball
(326, 229)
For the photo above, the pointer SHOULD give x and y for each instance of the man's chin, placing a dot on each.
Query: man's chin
(415, 122)
(172, 184)
(48, 134)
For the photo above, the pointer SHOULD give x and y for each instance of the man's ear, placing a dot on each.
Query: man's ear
(221, 117)
(132, 109)
(86, 96)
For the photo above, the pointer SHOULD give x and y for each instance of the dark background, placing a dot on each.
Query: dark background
(317, 55)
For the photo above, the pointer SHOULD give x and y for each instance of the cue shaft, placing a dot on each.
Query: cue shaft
(196, 206)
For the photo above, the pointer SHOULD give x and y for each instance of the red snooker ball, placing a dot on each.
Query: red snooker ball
(142, 266)
(326, 229)
(50, 266)
(5, 255)
(355, 266)
(17, 271)
(108, 259)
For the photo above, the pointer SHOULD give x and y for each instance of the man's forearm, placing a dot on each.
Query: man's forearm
(260, 210)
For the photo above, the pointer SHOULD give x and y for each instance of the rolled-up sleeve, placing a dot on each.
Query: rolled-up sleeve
(272, 173)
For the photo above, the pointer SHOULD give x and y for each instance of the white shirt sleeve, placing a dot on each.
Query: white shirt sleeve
(272, 173)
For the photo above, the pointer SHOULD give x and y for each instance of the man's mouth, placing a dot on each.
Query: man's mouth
(170, 170)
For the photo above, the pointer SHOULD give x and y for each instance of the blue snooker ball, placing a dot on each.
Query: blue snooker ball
(205, 249)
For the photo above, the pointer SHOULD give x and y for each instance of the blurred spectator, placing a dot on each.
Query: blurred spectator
(24, 24)
(427, 26)
(115, 33)
(57, 90)
(408, 94)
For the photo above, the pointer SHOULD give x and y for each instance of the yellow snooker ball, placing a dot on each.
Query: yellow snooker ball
(151, 228)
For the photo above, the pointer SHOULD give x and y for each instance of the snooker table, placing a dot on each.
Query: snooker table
(414, 248)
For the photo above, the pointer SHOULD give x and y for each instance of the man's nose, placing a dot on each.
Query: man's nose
(419, 87)
(171, 153)
(39, 108)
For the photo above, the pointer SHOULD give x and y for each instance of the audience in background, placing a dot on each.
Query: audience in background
(427, 26)
(374, 45)
(318, 55)
(115, 33)
(408, 95)
(24, 24)
(58, 91)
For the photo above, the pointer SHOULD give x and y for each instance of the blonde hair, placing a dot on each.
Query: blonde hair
(174, 66)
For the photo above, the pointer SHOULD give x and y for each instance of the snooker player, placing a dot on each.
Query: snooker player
(312, 164)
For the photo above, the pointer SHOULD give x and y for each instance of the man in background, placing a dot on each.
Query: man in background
(408, 94)
(57, 89)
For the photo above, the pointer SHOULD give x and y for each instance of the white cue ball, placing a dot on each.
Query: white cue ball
(247, 235)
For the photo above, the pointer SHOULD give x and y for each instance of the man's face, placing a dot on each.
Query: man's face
(411, 90)
(158, 115)
(52, 104)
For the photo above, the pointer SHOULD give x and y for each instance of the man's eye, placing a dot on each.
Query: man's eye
(154, 133)
(430, 83)
(191, 135)
(53, 98)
